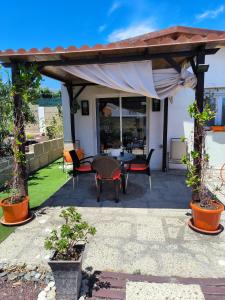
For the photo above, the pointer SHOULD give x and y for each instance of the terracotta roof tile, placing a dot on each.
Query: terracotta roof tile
(172, 35)
(84, 47)
(21, 51)
(46, 50)
(71, 48)
(35, 50)
(59, 49)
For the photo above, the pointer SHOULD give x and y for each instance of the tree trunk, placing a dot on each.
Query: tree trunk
(19, 165)
(198, 128)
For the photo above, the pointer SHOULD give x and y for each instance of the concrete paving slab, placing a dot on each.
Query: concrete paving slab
(162, 291)
(130, 238)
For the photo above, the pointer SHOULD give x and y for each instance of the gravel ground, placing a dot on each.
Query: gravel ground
(19, 290)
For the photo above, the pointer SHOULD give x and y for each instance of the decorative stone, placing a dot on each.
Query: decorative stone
(37, 276)
(27, 277)
(3, 274)
(42, 295)
(51, 284)
(12, 276)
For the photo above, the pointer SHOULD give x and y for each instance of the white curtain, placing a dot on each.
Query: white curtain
(134, 77)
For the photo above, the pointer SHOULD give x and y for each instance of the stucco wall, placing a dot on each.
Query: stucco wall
(179, 124)
(215, 75)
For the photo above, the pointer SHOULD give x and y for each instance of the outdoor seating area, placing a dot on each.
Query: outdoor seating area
(168, 191)
(125, 187)
(113, 166)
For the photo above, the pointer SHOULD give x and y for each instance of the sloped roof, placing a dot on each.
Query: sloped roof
(170, 40)
(176, 35)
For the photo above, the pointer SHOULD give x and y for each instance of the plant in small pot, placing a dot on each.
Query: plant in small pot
(18, 94)
(206, 208)
(67, 245)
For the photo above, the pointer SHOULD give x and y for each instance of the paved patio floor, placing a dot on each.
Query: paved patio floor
(146, 232)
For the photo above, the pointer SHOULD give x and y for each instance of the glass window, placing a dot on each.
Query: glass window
(134, 124)
(223, 112)
(108, 112)
(122, 123)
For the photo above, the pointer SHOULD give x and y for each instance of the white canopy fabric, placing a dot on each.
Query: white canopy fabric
(135, 77)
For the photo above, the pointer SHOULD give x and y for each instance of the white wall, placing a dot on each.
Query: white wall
(215, 75)
(179, 124)
(215, 147)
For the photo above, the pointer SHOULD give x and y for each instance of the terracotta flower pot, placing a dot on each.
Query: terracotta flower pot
(15, 213)
(206, 219)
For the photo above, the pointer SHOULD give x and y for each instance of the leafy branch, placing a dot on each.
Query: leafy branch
(72, 233)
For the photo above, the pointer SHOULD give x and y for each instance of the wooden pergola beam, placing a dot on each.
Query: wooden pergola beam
(173, 63)
(72, 123)
(102, 58)
(165, 130)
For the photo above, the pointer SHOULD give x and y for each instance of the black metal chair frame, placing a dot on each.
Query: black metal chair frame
(146, 171)
(77, 163)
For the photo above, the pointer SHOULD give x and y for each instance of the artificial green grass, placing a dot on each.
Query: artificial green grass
(42, 184)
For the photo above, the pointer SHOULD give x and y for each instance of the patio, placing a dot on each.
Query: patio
(133, 236)
(168, 191)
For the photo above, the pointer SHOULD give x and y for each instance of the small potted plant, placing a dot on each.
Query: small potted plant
(67, 245)
(206, 208)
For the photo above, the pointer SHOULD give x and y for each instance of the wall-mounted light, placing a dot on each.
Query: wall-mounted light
(84, 107)
(155, 104)
(202, 68)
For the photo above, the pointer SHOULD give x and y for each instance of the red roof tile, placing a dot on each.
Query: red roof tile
(170, 36)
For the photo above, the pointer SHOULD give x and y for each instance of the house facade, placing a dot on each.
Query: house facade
(143, 122)
(134, 93)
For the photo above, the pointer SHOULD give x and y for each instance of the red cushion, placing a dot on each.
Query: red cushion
(84, 168)
(137, 167)
(116, 175)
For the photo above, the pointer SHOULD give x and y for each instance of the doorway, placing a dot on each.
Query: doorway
(121, 124)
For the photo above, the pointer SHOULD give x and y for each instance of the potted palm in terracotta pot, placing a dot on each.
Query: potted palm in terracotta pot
(67, 244)
(206, 208)
(17, 95)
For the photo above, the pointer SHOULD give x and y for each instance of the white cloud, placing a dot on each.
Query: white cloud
(211, 14)
(130, 31)
(114, 6)
(102, 28)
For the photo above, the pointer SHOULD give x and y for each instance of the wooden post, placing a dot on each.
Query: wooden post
(19, 165)
(72, 123)
(165, 129)
(199, 96)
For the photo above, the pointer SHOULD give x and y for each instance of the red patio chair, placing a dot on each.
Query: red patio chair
(80, 166)
(142, 167)
(107, 169)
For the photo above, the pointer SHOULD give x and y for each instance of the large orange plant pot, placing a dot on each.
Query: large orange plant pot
(206, 219)
(15, 213)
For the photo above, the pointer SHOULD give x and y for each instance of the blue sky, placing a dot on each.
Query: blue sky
(50, 23)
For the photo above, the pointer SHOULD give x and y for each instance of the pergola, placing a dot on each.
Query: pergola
(167, 48)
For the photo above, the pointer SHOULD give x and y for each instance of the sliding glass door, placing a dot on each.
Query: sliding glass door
(121, 123)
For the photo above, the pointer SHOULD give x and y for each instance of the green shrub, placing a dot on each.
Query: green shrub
(74, 232)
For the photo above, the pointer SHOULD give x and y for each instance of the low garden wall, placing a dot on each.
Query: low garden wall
(39, 155)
